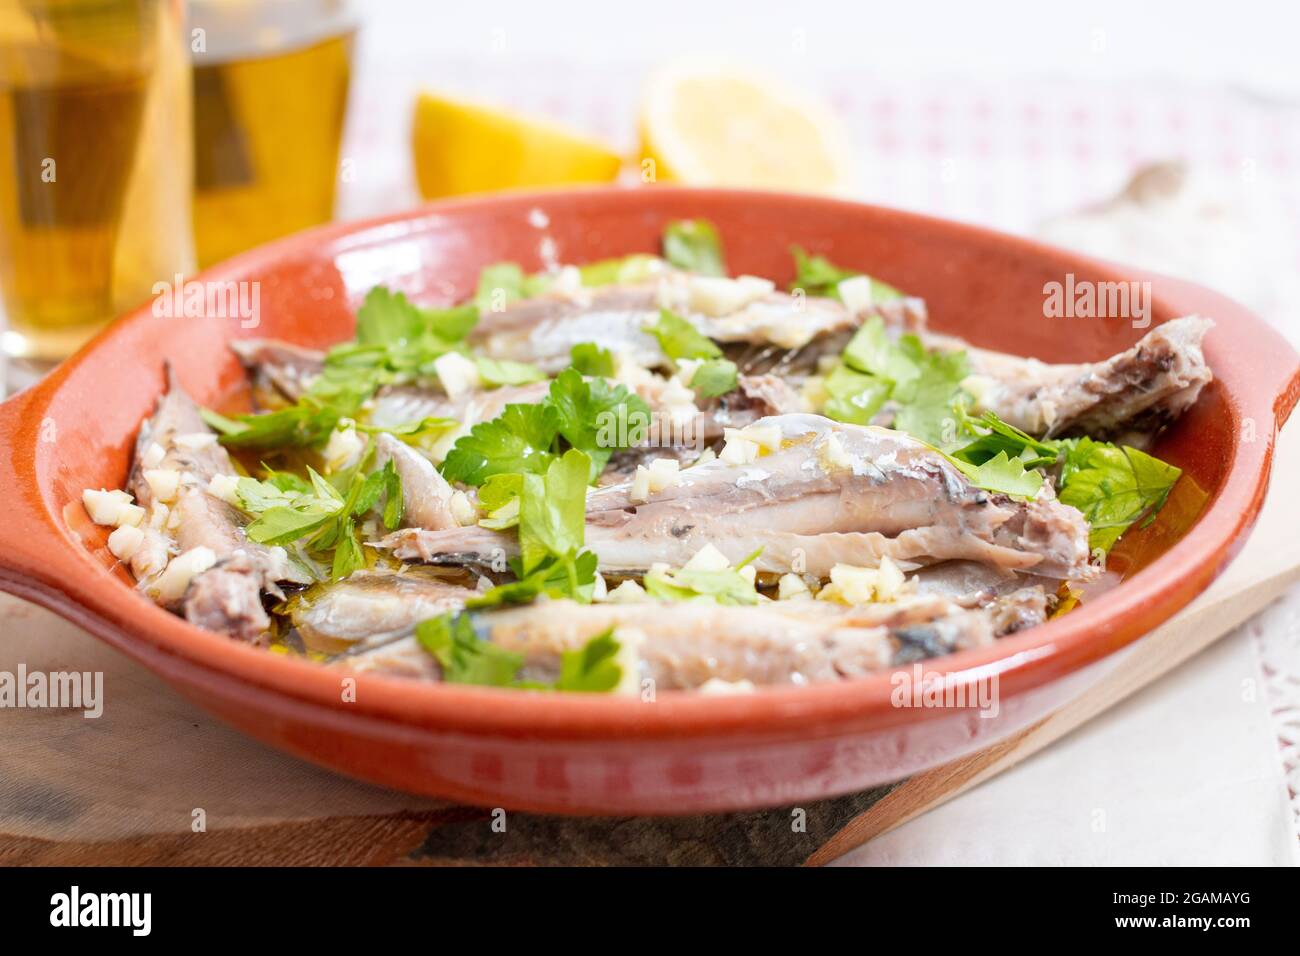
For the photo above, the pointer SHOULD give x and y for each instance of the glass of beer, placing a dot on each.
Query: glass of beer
(270, 97)
(95, 171)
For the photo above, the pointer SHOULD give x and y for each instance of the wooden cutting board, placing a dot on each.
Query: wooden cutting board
(155, 780)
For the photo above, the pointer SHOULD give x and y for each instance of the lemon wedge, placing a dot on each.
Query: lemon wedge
(711, 125)
(464, 148)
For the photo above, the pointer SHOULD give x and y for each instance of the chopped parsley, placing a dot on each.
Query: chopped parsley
(693, 245)
(817, 275)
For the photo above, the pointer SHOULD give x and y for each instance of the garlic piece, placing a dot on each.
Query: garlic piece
(855, 293)
(111, 508)
(457, 374)
(125, 541)
(182, 569)
(163, 482)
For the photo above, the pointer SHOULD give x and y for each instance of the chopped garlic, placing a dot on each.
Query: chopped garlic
(717, 296)
(153, 455)
(749, 573)
(344, 447)
(717, 687)
(850, 585)
(111, 508)
(855, 293)
(766, 437)
(814, 393)
(791, 586)
(125, 541)
(225, 487)
(890, 582)
(174, 520)
(664, 473)
(854, 585)
(980, 388)
(675, 392)
(738, 450)
(599, 588)
(195, 441)
(628, 658)
(686, 369)
(568, 282)
(706, 456)
(457, 374)
(835, 454)
(708, 558)
(636, 377)
(182, 569)
(629, 592)
(462, 509)
(163, 482)
(159, 513)
(640, 490)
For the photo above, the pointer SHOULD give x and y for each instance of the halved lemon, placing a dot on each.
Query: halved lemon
(464, 148)
(712, 125)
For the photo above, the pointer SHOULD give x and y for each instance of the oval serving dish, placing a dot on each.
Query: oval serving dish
(575, 753)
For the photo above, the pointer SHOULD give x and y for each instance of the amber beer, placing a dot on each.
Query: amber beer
(94, 164)
(270, 97)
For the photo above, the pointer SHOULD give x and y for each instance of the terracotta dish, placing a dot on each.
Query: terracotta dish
(580, 753)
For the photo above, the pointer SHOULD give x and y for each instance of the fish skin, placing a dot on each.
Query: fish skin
(400, 404)
(543, 330)
(683, 645)
(896, 497)
(371, 608)
(1141, 388)
(227, 596)
(279, 366)
(972, 584)
(426, 495)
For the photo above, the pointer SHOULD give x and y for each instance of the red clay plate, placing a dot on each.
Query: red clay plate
(577, 753)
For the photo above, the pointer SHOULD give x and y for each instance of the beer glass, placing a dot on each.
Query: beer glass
(270, 96)
(95, 170)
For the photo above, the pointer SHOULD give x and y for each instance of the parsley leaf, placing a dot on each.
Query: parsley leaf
(464, 658)
(387, 318)
(590, 359)
(595, 417)
(593, 667)
(715, 377)
(693, 245)
(1002, 475)
(304, 424)
(637, 267)
(704, 586)
(495, 372)
(569, 577)
(926, 402)
(855, 397)
(504, 282)
(817, 275)
(923, 385)
(1113, 486)
(681, 340)
(553, 510)
(521, 439)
